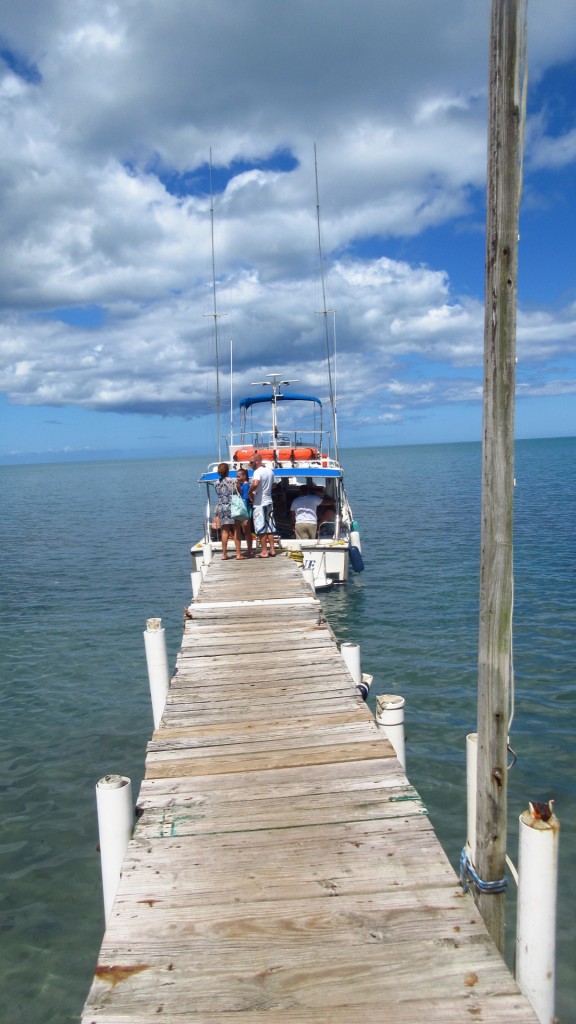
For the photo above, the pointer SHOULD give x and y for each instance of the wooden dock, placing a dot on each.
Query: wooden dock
(283, 870)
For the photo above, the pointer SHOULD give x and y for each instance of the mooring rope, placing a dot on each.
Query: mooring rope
(469, 876)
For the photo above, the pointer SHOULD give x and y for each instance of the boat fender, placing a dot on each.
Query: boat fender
(355, 540)
(356, 560)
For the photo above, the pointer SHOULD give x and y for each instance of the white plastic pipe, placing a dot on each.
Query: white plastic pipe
(115, 825)
(157, 662)
(390, 718)
(364, 686)
(351, 654)
(208, 515)
(536, 914)
(207, 553)
(471, 779)
(196, 577)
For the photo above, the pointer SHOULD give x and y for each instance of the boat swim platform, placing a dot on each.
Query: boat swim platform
(282, 869)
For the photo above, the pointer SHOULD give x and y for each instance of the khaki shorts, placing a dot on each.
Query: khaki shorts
(305, 531)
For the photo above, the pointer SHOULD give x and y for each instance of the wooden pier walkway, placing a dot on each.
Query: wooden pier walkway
(283, 870)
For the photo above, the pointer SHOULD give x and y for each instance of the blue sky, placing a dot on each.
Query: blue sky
(108, 114)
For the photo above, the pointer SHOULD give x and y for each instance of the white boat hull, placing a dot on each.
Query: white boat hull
(329, 559)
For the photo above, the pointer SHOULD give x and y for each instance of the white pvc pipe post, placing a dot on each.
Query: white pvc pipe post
(471, 788)
(207, 553)
(351, 654)
(390, 718)
(536, 914)
(208, 516)
(157, 662)
(364, 686)
(196, 578)
(115, 826)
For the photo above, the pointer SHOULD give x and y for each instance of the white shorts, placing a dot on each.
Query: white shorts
(264, 519)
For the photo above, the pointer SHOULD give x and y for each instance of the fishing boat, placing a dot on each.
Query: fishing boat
(300, 453)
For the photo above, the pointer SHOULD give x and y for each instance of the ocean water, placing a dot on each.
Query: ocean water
(89, 551)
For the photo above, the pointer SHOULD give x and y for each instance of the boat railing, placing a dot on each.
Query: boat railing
(284, 446)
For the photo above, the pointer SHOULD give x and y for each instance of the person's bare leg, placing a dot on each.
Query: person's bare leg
(238, 540)
(247, 528)
(225, 535)
(263, 538)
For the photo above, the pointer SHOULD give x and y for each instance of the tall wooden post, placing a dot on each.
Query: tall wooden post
(495, 632)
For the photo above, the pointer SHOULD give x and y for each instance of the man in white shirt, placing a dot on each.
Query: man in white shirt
(260, 494)
(304, 512)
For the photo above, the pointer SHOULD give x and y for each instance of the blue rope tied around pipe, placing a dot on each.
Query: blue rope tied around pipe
(469, 876)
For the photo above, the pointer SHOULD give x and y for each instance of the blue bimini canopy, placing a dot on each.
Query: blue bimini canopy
(245, 403)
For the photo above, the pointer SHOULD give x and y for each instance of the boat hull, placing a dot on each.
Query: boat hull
(328, 559)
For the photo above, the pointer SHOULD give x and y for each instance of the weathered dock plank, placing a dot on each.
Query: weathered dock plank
(283, 869)
(489, 1010)
(256, 761)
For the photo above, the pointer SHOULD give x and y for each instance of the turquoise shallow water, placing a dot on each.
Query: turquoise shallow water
(89, 551)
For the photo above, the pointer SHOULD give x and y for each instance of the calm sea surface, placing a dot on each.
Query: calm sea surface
(89, 551)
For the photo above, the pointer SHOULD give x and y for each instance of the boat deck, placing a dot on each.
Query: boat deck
(283, 869)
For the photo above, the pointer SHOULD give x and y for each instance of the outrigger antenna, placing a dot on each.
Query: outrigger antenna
(215, 315)
(276, 384)
(325, 311)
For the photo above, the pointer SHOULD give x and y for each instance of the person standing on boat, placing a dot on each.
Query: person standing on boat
(304, 511)
(243, 488)
(260, 494)
(224, 489)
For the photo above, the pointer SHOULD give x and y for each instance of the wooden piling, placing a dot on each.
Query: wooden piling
(496, 569)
